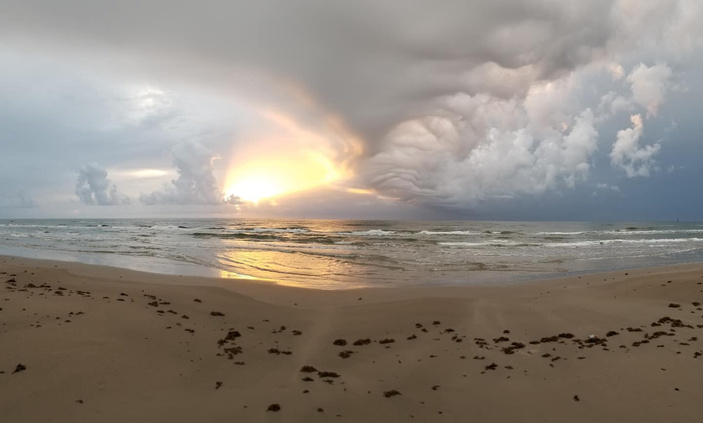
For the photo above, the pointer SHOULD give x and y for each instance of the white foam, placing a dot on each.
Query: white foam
(278, 230)
(654, 232)
(371, 232)
(621, 241)
(450, 233)
(499, 242)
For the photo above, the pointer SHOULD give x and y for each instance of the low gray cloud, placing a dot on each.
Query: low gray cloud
(94, 188)
(24, 200)
(18, 200)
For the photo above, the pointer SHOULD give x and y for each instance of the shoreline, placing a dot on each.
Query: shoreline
(201, 273)
(103, 344)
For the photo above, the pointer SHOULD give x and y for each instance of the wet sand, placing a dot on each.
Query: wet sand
(84, 343)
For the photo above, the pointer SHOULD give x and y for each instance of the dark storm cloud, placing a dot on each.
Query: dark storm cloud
(390, 57)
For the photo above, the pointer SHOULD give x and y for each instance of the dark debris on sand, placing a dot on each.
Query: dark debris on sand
(346, 353)
(513, 347)
(327, 374)
(391, 393)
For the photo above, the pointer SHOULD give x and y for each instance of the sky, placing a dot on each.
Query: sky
(395, 109)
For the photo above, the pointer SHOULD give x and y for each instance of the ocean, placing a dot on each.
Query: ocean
(329, 254)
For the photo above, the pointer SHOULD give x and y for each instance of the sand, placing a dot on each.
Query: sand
(81, 343)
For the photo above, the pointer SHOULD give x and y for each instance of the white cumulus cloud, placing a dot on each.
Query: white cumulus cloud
(627, 153)
(650, 85)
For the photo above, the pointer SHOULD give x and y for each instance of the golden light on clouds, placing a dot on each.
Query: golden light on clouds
(287, 159)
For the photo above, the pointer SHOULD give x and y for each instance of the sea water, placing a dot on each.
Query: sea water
(333, 254)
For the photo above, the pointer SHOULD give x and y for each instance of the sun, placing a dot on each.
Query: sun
(269, 177)
(255, 188)
(289, 157)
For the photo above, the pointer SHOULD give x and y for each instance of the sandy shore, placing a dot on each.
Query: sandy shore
(83, 343)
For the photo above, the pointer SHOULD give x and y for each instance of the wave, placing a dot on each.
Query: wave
(494, 243)
(654, 232)
(267, 236)
(22, 225)
(450, 233)
(274, 230)
(370, 232)
(622, 241)
(241, 235)
(501, 243)
(624, 232)
(257, 230)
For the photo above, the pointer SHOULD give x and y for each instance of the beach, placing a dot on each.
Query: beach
(368, 212)
(86, 343)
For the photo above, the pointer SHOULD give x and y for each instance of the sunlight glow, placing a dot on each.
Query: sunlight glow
(149, 173)
(289, 157)
(270, 177)
(255, 187)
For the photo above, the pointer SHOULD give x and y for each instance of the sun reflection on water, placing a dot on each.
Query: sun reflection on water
(314, 271)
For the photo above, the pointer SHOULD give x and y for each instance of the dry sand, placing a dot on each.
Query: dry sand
(99, 344)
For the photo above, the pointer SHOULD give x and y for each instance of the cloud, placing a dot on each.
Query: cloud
(612, 103)
(195, 184)
(627, 153)
(608, 187)
(671, 26)
(446, 103)
(24, 200)
(649, 85)
(465, 156)
(20, 200)
(93, 187)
